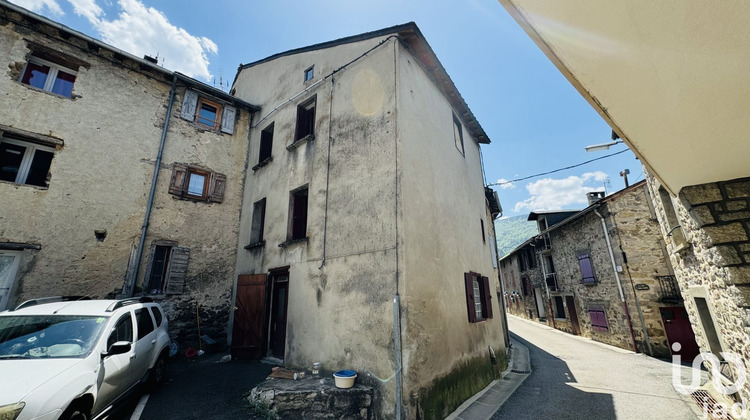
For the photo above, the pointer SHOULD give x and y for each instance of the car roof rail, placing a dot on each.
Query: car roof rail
(128, 301)
(50, 299)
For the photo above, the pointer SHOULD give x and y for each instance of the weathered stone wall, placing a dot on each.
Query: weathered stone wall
(635, 238)
(521, 305)
(715, 265)
(101, 174)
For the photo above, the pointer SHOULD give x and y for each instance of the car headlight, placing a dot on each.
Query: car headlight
(11, 411)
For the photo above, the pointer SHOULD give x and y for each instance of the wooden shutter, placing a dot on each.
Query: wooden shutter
(178, 263)
(486, 297)
(587, 271)
(469, 283)
(147, 277)
(189, 103)
(179, 177)
(216, 188)
(227, 119)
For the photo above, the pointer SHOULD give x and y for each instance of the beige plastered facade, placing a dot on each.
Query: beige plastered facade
(394, 209)
(108, 138)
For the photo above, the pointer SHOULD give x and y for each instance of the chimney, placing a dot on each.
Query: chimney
(150, 59)
(594, 196)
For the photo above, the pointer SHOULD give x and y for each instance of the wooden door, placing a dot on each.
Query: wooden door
(279, 300)
(248, 329)
(678, 329)
(571, 304)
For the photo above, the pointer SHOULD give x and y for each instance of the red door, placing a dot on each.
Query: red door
(678, 329)
(248, 332)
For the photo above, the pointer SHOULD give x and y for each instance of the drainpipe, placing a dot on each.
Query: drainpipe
(617, 279)
(150, 203)
(396, 298)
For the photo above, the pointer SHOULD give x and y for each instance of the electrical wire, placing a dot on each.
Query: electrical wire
(557, 170)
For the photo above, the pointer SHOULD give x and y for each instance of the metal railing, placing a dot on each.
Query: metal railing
(551, 279)
(669, 290)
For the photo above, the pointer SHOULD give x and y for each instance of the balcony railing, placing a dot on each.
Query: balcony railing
(670, 291)
(542, 242)
(552, 282)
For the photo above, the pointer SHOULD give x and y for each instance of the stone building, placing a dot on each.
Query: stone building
(83, 126)
(674, 93)
(364, 236)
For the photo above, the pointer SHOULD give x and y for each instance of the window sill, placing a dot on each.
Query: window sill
(681, 247)
(36, 187)
(259, 244)
(72, 97)
(293, 241)
(589, 283)
(297, 143)
(262, 163)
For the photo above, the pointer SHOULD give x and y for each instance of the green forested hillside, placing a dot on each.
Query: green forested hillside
(512, 232)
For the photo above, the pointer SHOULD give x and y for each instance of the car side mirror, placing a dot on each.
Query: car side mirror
(119, 347)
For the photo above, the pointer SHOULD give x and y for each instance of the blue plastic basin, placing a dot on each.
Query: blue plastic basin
(345, 373)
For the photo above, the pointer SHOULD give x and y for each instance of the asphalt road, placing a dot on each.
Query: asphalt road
(199, 388)
(576, 378)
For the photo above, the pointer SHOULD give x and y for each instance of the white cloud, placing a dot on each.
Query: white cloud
(504, 184)
(88, 9)
(555, 194)
(142, 30)
(39, 6)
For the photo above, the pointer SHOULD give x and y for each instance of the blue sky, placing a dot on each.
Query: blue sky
(535, 119)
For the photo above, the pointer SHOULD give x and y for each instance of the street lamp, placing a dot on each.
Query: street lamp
(604, 146)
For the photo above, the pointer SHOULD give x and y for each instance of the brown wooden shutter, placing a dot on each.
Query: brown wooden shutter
(469, 282)
(216, 189)
(486, 297)
(178, 263)
(189, 103)
(179, 177)
(227, 119)
(147, 277)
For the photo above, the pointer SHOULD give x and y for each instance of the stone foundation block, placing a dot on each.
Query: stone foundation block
(733, 232)
(729, 255)
(702, 215)
(738, 275)
(738, 189)
(700, 194)
(736, 205)
(736, 215)
(314, 398)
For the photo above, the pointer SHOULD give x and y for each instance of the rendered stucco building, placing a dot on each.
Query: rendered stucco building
(82, 129)
(671, 81)
(364, 236)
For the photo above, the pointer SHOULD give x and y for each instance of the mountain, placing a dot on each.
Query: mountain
(513, 231)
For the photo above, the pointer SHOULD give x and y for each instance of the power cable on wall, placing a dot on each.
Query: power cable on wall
(557, 170)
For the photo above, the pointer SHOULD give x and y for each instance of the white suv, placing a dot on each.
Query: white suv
(67, 359)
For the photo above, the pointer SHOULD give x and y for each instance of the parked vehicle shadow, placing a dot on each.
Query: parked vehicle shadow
(550, 392)
(203, 388)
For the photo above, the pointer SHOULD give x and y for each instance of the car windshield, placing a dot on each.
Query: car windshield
(48, 336)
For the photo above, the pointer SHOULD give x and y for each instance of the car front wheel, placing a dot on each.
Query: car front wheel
(75, 412)
(159, 371)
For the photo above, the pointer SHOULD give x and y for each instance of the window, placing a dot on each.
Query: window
(145, 324)
(598, 320)
(46, 75)
(259, 216)
(298, 214)
(305, 119)
(587, 270)
(23, 162)
(123, 331)
(481, 223)
(458, 135)
(266, 143)
(309, 73)
(207, 113)
(525, 286)
(195, 183)
(167, 268)
(707, 322)
(674, 230)
(478, 297)
(559, 307)
(157, 315)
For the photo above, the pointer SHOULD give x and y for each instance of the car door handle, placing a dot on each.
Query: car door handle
(132, 357)
(153, 341)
